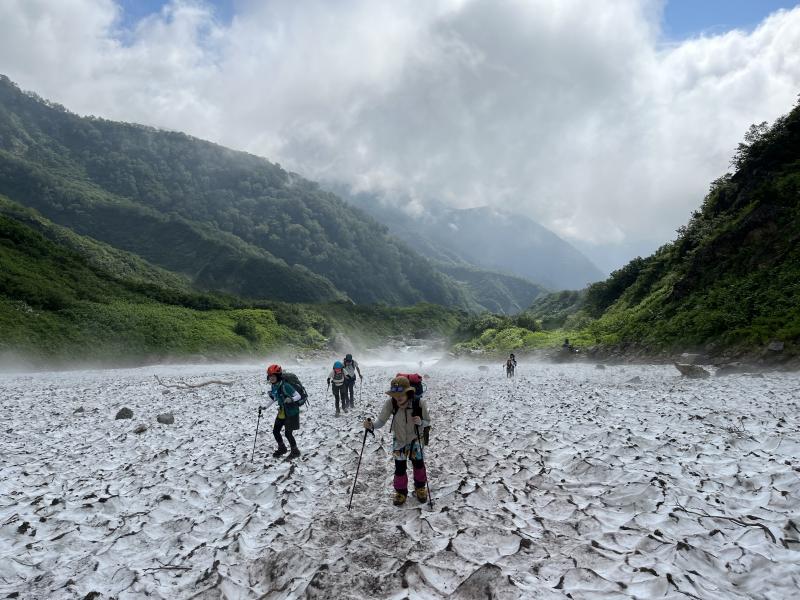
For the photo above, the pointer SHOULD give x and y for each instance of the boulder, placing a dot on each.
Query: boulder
(78, 411)
(636, 379)
(140, 428)
(166, 418)
(691, 358)
(599, 366)
(692, 371)
(483, 368)
(775, 346)
(730, 369)
(124, 413)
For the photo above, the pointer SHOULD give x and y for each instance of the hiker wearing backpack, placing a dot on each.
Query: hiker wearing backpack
(289, 401)
(350, 368)
(511, 365)
(336, 379)
(409, 414)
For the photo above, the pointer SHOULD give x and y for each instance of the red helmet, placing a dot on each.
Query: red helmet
(274, 370)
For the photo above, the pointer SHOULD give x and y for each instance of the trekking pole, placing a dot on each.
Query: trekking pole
(363, 443)
(427, 484)
(360, 389)
(258, 421)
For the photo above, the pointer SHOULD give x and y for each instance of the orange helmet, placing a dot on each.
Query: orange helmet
(274, 370)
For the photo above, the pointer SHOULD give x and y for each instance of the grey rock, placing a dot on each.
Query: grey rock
(140, 428)
(730, 369)
(124, 413)
(690, 358)
(692, 371)
(483, 368)
(775, 346)
(166, 418)
(636, 379)
(599, 366)
(78, 410)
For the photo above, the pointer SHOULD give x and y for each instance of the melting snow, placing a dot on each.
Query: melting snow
(565, 480)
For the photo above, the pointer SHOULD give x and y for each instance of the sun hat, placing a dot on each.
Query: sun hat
(399, 386)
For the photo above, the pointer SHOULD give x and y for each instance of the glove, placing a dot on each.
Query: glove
(417, 420)
(368, 424)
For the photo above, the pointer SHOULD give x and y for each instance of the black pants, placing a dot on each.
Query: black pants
(350, 384)
(276, 431)
(339, 392)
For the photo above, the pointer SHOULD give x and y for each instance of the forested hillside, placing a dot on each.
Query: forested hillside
(483, 238)
(228, 220)
(729, 282)
(65, 297)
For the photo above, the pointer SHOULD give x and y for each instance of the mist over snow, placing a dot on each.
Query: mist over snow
(579, 115)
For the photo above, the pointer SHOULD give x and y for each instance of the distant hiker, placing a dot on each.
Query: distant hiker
(289, 401)
(409, 414)
(350, 368)
(511, 365)
(566, 346)
(336, 380)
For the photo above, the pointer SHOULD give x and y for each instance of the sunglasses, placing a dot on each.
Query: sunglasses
(397, 388)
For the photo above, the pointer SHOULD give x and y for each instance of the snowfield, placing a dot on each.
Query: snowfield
(568, 481)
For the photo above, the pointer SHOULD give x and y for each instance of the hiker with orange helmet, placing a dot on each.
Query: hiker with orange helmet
(409, 415)
(288, 416)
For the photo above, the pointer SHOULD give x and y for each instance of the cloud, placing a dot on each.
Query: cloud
(573, 113)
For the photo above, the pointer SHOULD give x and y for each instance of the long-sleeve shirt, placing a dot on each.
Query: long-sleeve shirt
(403, 426)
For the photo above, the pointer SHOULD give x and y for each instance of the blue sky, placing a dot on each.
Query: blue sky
(689, 18)
(682, 18)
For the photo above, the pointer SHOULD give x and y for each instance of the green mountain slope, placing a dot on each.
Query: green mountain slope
(496, 292)
(227, 220)
(729, 283)
(66, 297)
(732, 277)
(484, 238)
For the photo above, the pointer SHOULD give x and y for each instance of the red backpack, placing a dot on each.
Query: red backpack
(415, 379)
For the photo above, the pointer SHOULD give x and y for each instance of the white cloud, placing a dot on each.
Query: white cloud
(571, 112)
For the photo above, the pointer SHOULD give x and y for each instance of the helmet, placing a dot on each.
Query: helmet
(338, 365)
(274, 370)
(348, 358)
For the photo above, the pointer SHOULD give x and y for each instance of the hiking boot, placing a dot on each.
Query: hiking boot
(337, 413)
(279, 452)
(295, 452)
(345, 409)
(399, 498)
(421, 494)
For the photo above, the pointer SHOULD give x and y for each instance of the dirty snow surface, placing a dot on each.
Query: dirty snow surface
(568, 481)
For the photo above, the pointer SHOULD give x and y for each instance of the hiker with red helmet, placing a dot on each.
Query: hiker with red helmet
(337, 378)
(288, 416)
(409, 414)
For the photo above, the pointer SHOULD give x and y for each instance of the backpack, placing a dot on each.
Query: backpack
(415, 379)
(294, 381)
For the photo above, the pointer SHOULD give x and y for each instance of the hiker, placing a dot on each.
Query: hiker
(566, 346)
(511, 365)
(336, 379)
(288, 416)
(409, 414)
(350, 368)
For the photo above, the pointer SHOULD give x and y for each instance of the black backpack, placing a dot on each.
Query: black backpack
(294, 381)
